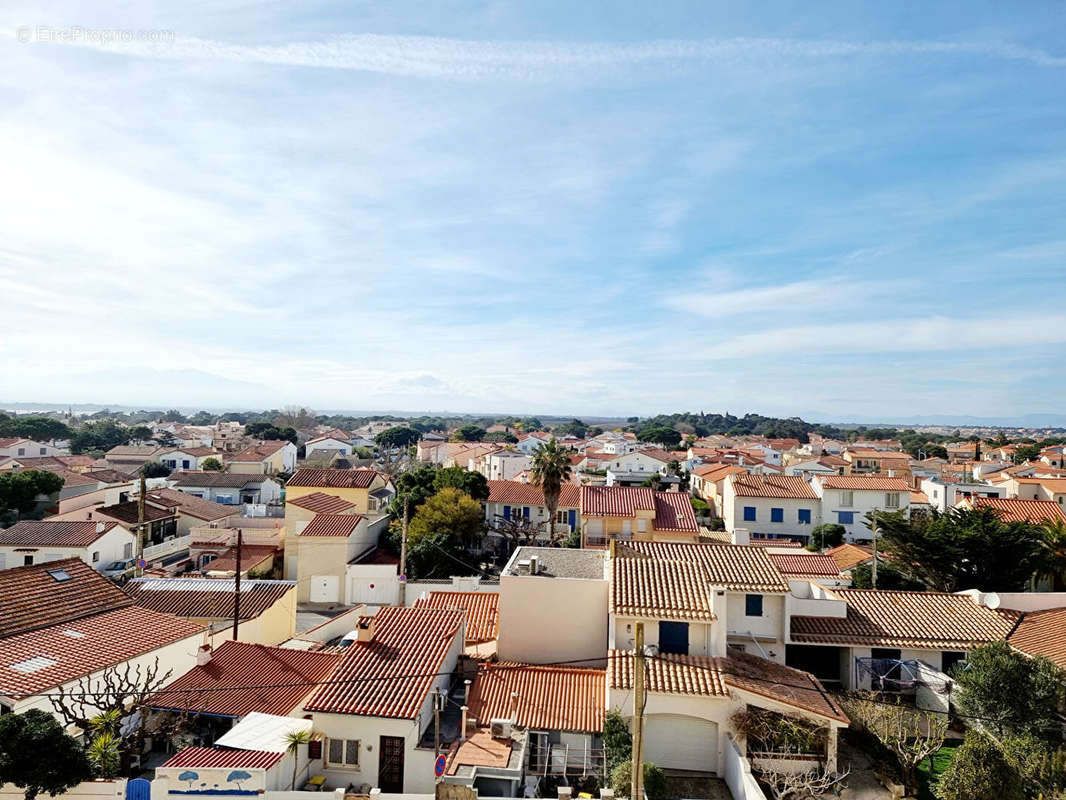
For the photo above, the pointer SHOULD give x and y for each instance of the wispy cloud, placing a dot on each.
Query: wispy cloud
(433, 57)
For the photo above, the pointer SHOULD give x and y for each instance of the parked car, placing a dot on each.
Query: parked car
(120, 571)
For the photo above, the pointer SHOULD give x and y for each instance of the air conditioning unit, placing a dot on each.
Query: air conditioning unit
(500, 728)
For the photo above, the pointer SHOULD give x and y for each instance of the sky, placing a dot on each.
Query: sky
(611, 208)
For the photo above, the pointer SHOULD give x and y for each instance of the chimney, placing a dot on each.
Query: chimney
(741, 536)
(514, 706)
(462, 727)
(365, 629)
(203, 655)
(100, 527)
(534, 565)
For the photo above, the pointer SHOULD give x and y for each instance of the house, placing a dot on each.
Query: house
(335, 442)
(321, 550)
(192, 511)
(1038, 489)
(771, 506)
(160, 522)
(961, 451)
(943, 493)
(617, 512)
(503, 465)
(65, 626)
(267, 612)
(228, 488)
(636, 466)
(846, 499)
(1054, 456)
(376, 713)
(482, 616)
(254, 756)
(97, 544)
(256, 561)
(131, 458)
(862, 461)
(920, 502)
(553, 583)
(264, 458)
(188, 458)
(368, 490)
(1009, 509)
(510, 500)
(529, 443)
(708, 482)
(92, 488)
(877, 633)
(15, 447)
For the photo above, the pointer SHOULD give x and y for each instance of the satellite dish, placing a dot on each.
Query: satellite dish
(992, 600)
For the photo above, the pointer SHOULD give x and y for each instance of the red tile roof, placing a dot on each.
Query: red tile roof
(321, 503)
(252, 556)
(218, 758)
(778, 486)
(70, 649)
(30, 533)
(715, 472)
(865, 483)
(189, 504)
(740, 568)
(206, 598)
(1015, 510)
(673, 512)
(258, 452)
(882, 618)
(1042, 633)
(849, 555)
(392, 674)
(332, 525)
(31, 598)
(806, 564)
(530, 494)
(479, 750)
(548, 698)
(713, 677)
(228, 480)
(481, 608)
(128, 514)
(237, 665)
(663, 589)
(333, 478)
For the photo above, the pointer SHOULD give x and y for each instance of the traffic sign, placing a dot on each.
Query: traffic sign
(142, 563)
(439, 765)
(403, 579)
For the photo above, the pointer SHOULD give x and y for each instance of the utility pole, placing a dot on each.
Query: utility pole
(638, 714)
(140, 520)
(873, 565)
(436, 722)
(403, 550)
(237, 585)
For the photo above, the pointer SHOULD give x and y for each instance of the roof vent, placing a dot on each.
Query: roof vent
(534, 565)
(203, 655)
(365, 629)
(523, 566)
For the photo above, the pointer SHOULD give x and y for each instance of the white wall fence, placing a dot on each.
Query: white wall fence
(738, 775)
(91, 790)
(175, 544)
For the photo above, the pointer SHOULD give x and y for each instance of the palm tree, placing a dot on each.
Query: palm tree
(105, 754)
(293, 740)
(550, 469)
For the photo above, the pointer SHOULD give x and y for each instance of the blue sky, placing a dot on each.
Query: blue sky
(614, 208)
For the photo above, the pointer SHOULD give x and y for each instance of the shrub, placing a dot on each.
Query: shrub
(979, 771)
(654, 780)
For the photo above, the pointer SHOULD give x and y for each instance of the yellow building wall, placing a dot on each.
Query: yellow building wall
(319, 555)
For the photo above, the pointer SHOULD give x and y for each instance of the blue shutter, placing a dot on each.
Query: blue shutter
(777, 515)
(506, 512)
(572, 518)
(525, 512)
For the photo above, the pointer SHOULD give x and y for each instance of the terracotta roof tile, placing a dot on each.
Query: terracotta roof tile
(778, 486)
(739, 568)
(237, 665)
(481, 609)
(127, 512)
(529, 494)
(806, 564)
(252, 556)
(206, 598)
(849, 555)
(58, 533)
(258, 452)
(333, 478)
(1015, 510)
(663, 589)
(228, 480)
(548, 697)
(321, 503)
(673, 512)
(1042, 633)
(860, 483)
(192, 505)
(332, 525)
(396, 669)
(881, 618)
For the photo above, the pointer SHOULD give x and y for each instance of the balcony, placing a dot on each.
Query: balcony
(168, 547)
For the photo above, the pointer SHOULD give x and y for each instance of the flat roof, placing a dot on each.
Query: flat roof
(561, 562)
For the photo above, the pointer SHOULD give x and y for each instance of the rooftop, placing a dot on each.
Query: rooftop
(332, 525)
(548, 697)
(560, 562)
(321, 503)
(252, 556)
(777, 486)
(206, 598)
(223, 480)
(673, 510)
(221, 758)
(1015, 510)
(481, 609)
(198, 507)
(31, 533)
(128, 512)
(236, 665)
(882, 618)
(659, 588)
(858, 483)
(529, 494)
(334, 478)
(1040, 633)
(259, 451)
(738, 568)
(849, 555)
(812, 564)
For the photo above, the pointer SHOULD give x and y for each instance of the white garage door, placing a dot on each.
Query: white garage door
(674, 741)
(324, 588)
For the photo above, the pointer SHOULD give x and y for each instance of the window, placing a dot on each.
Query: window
(343, 753)
(642, 525)
(847, 499)
(560, 517)
(777, 515)
(43, 451)
(948, 660)
(846, 517)
(749, 513)
(127, 551)
(804, 516)
(96, 556)
(22, 451)
(185, 463)
(891, 499)
(753, 605)
(27, 561)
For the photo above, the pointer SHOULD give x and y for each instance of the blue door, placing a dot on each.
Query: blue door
(139, 789)
(673, 637)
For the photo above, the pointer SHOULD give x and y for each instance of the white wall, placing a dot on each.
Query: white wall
(863, 502)
(109, 547)
(546, 620)
(733, 513)
(769, 629)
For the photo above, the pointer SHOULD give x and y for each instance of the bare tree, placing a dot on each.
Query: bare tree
(298, 417)
(524, 531)
(801, 785)
(124, 688)
(909, 734)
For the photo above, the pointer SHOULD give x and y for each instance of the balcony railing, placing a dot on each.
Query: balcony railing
(564, 759)
(175, 544)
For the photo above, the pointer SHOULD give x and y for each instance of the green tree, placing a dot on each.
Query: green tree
(22, 491)
(398, 437)
(888, 577)
(654, 780)
(1014, 693)
(154, 469)
(139, 433)
(415, 486)
(1028, 452)
(660, 434)
(617, 740)
(267, 431)
(828, 534)
(468, 433)
(451, 513)
(100, 435)
(105, 754)
(501, 437)
(550, 469)
(963, 549)
(38, 756)
(39, 429)
(979, 771)
(574, 427)
(211, 464)
(473, 484)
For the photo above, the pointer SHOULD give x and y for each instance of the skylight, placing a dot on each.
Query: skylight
(60, 575)
(34, 664)
(73, 634)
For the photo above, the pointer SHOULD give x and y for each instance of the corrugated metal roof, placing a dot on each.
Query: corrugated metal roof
(332, 525)
(739, 568)
(481, 609)
(217, 758)
(31, 533)
(242, 664)
(883, 618)
(333, 478)
(392, 674)
(650, 587)
(206, 598)
(80, 647)
(548, 698)
(321, 503)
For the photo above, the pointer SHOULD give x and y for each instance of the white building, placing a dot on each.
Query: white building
(504, 465)
(847, 499)
(770, 506)
(98, 544)
(188, 458)
(14, 447)
(945, 494)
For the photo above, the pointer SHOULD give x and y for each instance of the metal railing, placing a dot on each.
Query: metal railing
(565, 759)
